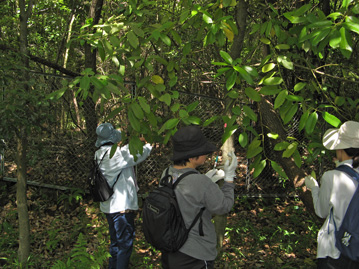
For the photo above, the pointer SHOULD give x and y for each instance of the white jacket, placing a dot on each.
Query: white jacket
(336, 191)
(125, 189)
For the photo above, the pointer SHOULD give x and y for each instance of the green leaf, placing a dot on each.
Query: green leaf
(278, 169)
(290, 150)
(290, 114)
(345, 3)
(282, 47)
(228, 132)
(268, 67)
(335, 39)
(299, 86)
(279, 100)
(165, 39)
(144, 105)
(331, 119)
(166, 98)
(244, 74)
(85, 83)
(209, 121)
(254, 150)
(352, 26)
(243, 139)
(231, 80)
(303, 120)
(297, 158)
(171, 123)
(134, 122)
(226, 57)
(312, 121)
(281, 146)
(132, 38)
(250, 113)
(237, 110)
(233, 94)
(192, 106)
(258, 169)
(345, 47)
(270, 90)
(253, 94)
(194, 120)
(273, 136)
(273, 81)
(137, 110)
(265, 40)
(207, 19)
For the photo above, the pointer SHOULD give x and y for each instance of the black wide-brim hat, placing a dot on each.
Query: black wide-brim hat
(189, 142)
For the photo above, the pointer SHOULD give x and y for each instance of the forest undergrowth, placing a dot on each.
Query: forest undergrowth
(69, 231)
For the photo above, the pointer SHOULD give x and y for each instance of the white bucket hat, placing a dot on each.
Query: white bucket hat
(347, 136)
(106, 133)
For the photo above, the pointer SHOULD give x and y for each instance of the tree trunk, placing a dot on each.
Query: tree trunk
(271, 120)
(220, 221)
(90, 62)
(21, 198)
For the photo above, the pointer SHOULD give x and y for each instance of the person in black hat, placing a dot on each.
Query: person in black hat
(196, 191)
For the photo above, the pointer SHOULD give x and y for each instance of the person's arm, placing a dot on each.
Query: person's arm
(321, 195)
(128, 159)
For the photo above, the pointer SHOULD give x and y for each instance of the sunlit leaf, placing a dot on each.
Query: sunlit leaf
(311, 122)
(331, 119)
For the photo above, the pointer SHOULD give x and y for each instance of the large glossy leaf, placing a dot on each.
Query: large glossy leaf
(303, 120)
(331, 119)
(243, 139)
(268, 67)
(226, 57)
(279, 100)
(311, 122)
(273, 81)
(290, 114)
(231, 80)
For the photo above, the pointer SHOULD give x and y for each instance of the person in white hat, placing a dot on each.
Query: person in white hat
(190, 148)
(121, 207)
(335, 193)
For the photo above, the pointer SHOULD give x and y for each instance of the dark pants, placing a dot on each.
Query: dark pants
(179, 260)
(122, 233)
(341, 263)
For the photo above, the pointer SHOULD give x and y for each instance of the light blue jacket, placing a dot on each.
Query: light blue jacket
(125, 189)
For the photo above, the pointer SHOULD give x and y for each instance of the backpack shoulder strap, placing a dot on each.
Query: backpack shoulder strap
(349, 171)
(102, 157)
(182, 176)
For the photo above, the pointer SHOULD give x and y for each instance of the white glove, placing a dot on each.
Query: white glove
(230, 168)
(310, 182)
(215, 174)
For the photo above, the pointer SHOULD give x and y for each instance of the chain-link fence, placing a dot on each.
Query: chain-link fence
(60, 155)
